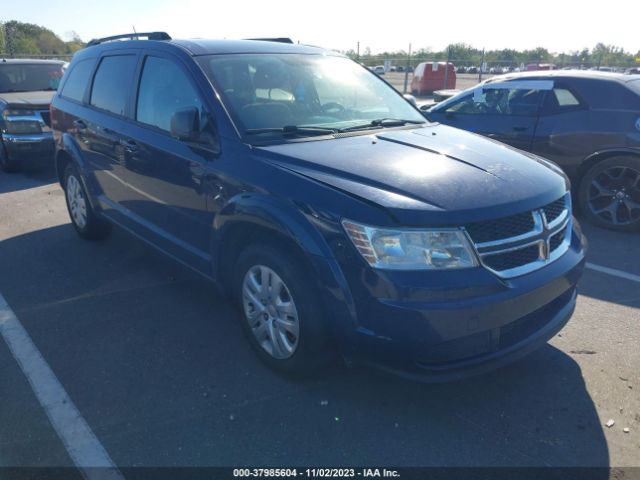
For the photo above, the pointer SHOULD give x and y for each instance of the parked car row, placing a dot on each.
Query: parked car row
(381, 70)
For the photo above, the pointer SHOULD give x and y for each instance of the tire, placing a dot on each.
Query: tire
(609, 194)
(309, 342)
(8, 165)
(83, 218)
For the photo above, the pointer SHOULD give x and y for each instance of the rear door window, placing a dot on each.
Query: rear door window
(559, 100)
(112, 82)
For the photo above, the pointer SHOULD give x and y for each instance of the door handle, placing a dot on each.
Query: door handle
(79, 124)
(129, 145)
(521, 129)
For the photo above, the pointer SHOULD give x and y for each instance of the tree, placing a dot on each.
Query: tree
(30, 39)
(2, 40)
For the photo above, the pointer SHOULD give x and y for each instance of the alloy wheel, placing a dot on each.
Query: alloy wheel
(270, 311)
(614, 195)
(77, 202)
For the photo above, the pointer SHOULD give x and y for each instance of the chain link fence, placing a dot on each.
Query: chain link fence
(399, 70)
(63, 57)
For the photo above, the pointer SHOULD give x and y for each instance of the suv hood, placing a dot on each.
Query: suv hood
(38, 100)
(434, 175)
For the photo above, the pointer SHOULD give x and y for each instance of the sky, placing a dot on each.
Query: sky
(559, 26)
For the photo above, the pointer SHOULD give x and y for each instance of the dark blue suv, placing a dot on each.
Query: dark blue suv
(335, 216)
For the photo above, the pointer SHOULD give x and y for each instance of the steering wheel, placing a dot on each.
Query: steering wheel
(333, 108)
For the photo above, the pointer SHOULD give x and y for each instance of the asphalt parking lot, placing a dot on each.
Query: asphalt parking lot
(155, 362)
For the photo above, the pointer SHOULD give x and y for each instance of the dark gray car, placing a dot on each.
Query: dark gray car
(26, 89)
(586, 122)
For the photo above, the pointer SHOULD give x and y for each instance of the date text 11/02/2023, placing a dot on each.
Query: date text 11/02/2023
(315, 472)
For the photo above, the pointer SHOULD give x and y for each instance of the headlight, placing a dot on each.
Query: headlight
(411, 249)
(21, 121)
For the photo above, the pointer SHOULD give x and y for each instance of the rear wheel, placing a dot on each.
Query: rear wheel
(84, 219)
(280, 311)
(609, 194)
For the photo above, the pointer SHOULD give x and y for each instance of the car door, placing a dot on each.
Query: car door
(165, 176)
(503, 111)
(102, 127)
(565, 132)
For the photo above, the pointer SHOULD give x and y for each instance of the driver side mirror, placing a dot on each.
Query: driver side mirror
(185, 124)
(411, 99)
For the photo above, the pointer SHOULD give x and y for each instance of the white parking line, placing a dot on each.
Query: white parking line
(613, 271)
(82, 445)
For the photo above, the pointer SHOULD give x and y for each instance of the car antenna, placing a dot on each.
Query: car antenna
(134, 31)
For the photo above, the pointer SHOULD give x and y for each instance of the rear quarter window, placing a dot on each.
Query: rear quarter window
(78, 78)
(565, 98)
(112, 82)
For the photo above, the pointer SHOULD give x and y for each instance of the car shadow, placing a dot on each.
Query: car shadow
(156, 362)
(29, 177)
(533, 413)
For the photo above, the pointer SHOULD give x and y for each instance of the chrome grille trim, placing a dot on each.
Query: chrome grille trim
(540, 235)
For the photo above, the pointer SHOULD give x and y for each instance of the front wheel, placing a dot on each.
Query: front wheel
(609, 194)
(84, 219)
(280, 311)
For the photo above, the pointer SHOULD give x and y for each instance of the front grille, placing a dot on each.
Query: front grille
(46, 117)
(512, 259)
(521, 243)
(500, 228)
(553, 210)
(557, 239)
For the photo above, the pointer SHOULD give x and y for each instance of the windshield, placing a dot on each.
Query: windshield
(268, 94)
(20, 77)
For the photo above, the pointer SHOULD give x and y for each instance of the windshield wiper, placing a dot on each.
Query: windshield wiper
(382, 122)
(293, 130)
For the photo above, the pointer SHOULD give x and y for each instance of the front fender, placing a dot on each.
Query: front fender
(287, 220)
(268, 212)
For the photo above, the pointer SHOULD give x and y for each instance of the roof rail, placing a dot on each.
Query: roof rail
(131, 36)
(277, 39)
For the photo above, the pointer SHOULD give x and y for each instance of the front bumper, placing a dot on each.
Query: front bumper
(36, 147)
(441, 326)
